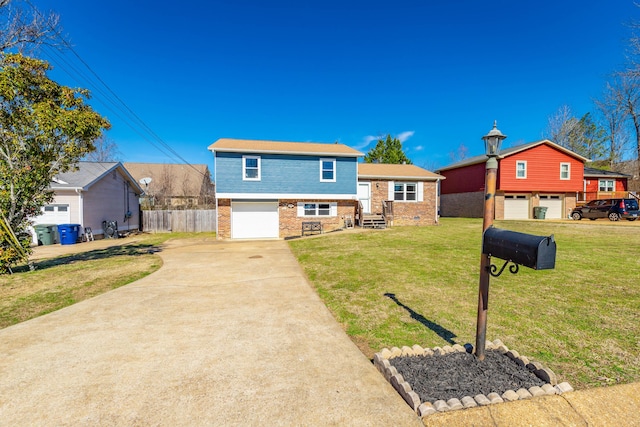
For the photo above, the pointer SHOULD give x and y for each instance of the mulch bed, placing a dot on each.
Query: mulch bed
(460, 374)
(451, 378)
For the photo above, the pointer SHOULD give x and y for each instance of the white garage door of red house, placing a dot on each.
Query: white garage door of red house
(553, 204)
(254, 220)
(516, 207)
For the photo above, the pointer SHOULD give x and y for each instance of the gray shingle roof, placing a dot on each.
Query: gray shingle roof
(87, 174)
(592, 172)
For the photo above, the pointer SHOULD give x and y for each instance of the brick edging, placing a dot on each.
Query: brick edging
(381, 362)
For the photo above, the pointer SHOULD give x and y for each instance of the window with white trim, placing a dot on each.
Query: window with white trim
(565, 171)
(521, 169)
(317, 209)
(251, 168)
(606, 185)
(327, 170)
(404, 191)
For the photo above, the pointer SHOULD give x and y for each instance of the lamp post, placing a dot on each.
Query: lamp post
(492, 142)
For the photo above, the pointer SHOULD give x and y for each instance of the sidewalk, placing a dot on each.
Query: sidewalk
(604, 406)
(222, 334)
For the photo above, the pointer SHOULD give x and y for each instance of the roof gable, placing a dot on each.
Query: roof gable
(514, 150)
(231, 145)
(87, 174)
(395, 171)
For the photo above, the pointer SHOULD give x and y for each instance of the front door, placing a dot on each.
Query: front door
(364, 195)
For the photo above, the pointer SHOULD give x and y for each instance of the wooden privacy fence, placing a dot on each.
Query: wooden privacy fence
(193, 220)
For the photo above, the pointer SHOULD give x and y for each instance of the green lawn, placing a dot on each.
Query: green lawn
(419, 285)
(65, 280)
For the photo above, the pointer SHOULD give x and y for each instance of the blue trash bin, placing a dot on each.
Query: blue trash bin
(68, 233)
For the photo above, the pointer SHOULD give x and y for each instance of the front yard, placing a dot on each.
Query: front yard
(419, 285)
(89, 270)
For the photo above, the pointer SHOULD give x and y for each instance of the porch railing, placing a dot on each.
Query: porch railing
(387, 211)
(587, 196)
(359, 213)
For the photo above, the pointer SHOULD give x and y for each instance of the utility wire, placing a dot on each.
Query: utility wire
(117, 101)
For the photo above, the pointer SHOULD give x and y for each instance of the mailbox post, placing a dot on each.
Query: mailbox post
(492, 142)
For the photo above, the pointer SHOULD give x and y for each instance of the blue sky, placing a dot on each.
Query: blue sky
(435, 74)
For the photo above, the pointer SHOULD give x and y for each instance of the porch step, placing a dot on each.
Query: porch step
(373, 221)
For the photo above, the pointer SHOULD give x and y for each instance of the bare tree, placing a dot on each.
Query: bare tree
(163, 187)
(106, 151)
(614, 119)
(24, 28)
(461, 153)
(207, 191)
(626, 95)
(561, 125)
(583, 136)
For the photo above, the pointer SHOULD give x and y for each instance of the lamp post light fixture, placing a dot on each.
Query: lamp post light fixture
(492, 142)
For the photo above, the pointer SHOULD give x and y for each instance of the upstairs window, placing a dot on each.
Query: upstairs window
(327, 170)
(251, 168)
(605, 185)
(565, 170)
(404, 192)
(521, 169)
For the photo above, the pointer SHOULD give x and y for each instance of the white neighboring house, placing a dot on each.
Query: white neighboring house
(96, 192)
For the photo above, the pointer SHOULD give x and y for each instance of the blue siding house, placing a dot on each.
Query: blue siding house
(267, 189)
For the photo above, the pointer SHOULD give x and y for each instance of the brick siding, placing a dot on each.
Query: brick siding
(224, 219)
(466, 205)
(291, 223)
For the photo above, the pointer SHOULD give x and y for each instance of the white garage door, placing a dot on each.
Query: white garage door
(553, 205)
(54, 214)
(254, 220)
(516, 207)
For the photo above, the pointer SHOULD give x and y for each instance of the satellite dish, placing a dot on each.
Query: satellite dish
(145, 181)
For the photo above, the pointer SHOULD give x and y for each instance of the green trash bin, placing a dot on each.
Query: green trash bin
(46, 234)
(540, 212)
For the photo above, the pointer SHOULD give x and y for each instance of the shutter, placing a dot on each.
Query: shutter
(391, 190)
(420, 190)
(300, 208)
(333, 211)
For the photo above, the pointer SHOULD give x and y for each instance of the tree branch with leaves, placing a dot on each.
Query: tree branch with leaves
(45, 129)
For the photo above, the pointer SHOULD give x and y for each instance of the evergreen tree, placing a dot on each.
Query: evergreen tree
(388, 150)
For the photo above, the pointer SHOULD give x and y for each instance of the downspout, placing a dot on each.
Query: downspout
(80, 207)
(215, 191)
(437, 216)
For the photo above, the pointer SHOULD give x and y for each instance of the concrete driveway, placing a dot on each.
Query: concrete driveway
(222, 334)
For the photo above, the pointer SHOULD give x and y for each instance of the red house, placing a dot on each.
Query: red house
(601, 184)
(540, 173)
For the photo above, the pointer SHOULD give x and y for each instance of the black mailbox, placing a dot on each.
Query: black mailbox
(537, 252)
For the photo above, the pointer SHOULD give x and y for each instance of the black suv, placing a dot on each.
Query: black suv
(614, 209)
